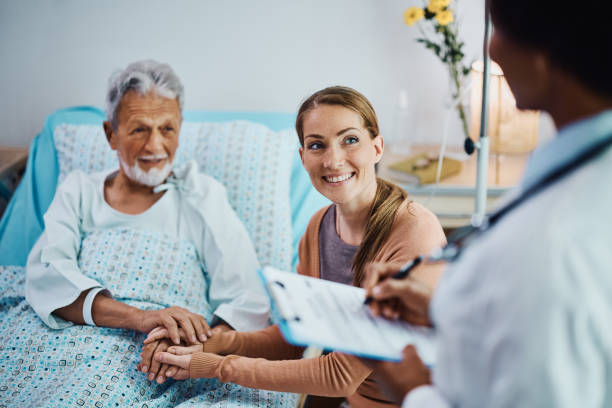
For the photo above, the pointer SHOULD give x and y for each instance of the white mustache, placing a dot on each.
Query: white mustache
(154, 157)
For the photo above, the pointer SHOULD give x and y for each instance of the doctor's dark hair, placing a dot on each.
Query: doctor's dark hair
(388, 198)
(576, 37)
(142, 76)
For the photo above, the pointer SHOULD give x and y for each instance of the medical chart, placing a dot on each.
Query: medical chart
(332, 316)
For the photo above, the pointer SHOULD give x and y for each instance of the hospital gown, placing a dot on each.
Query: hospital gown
(189, 249)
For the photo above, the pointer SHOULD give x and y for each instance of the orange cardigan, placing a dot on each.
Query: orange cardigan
(263, 359)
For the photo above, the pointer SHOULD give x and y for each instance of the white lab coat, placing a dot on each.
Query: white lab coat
(524, 317)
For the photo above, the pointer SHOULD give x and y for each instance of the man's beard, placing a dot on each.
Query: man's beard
(152, 178)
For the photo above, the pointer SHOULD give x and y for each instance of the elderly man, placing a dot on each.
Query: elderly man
(144, 246)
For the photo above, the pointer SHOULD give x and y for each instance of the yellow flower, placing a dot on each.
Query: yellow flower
(435, 6)
(413, 14)
(444, 17)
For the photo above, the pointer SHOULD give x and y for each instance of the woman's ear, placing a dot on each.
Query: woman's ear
(302, 154)
(379, 147)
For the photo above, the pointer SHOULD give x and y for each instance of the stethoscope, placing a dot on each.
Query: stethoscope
(462, 237)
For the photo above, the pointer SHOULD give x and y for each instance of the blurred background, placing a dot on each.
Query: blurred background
(238, 55)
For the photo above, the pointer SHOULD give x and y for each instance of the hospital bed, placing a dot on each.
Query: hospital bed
(72, 139)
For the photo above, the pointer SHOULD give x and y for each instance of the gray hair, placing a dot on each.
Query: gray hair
(142, 76)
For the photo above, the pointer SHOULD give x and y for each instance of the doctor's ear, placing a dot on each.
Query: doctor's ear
(110, 134)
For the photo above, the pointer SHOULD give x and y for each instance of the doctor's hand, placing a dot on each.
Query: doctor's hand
(406, 299)
(194, 327)
(398, 379)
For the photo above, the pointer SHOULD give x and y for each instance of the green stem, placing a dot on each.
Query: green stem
(457, 95)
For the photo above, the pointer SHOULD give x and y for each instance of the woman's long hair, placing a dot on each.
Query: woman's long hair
(388, 198)
(387, 201)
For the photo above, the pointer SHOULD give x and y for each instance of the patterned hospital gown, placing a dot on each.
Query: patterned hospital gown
(83, 366)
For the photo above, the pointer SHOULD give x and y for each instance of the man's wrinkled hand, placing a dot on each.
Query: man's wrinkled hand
(174, 319)
(150, 366)
(160, 332)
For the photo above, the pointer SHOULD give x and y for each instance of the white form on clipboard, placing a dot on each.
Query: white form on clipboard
(332, 316)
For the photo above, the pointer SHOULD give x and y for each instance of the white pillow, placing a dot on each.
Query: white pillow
(252, 161)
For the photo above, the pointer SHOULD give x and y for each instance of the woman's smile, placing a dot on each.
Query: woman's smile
(338, 179)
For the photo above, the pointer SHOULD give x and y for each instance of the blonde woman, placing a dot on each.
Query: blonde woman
(370, 220)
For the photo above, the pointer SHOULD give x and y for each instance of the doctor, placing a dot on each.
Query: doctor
(524, 315)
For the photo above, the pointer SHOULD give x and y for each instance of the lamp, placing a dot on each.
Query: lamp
(510, 131)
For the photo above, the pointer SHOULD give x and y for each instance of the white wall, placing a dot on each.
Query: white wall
(264, 55)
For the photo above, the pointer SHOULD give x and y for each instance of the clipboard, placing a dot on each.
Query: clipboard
(332, 316)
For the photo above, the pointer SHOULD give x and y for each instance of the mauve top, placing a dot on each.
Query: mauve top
(336, 256)
(278, 366)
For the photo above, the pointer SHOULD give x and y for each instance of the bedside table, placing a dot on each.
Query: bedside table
(12, 163)
(453, 199)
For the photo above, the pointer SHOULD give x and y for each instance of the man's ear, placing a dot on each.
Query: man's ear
(379, 147)
(110, 134)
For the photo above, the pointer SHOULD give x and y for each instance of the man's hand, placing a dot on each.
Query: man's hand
(195, 328)
(398, 379)
(149, 365)
(160, 332)
(405, 299)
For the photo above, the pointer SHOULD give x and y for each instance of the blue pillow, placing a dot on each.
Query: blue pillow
(22, 222)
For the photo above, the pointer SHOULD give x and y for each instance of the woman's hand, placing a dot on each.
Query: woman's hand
(178, 365)
(398, 379)
(405, 299)
(151, 366)
(194, 327)
(178, 360)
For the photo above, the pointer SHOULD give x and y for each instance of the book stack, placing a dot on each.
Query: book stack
(422, 168)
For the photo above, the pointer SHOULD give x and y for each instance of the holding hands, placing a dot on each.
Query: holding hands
(168, 361)
(194, 327)
(161, 359)
(178, 359)
(179, 325)
(148, 364)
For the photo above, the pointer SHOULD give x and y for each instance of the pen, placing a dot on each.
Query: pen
(401, 274)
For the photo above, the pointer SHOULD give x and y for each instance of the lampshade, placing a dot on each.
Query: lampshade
(510, 131)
